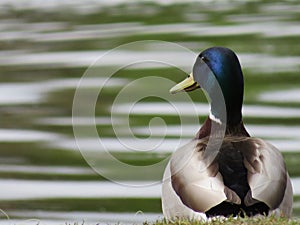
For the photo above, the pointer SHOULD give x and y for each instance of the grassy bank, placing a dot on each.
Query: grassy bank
(230, 221)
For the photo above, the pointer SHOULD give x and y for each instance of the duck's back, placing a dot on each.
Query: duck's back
(246, 176)
(230, 162)
(233, 170)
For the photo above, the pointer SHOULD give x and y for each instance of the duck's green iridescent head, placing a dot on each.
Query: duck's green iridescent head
(221, 65)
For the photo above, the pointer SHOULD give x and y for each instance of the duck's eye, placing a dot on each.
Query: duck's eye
(204, 58)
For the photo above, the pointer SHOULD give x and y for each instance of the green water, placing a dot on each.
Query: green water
(42, 49)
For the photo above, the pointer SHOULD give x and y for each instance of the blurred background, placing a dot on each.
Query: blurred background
(45, 48)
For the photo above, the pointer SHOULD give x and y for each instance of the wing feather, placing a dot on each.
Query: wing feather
(266, 172)
(199, 186)
(172, 206)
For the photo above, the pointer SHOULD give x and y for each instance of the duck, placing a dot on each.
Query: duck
(223, 171)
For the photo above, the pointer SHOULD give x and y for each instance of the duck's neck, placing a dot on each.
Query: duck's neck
(225, 111)
(237, 129)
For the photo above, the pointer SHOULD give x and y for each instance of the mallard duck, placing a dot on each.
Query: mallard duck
(223, 171)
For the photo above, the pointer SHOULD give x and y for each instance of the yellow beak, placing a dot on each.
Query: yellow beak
(187, 84)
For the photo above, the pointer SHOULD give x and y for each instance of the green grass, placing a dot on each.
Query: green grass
(229, 221)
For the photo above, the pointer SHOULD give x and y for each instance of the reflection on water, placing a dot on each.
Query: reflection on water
(84, 121)
(34, 92)
(281, 96)
(120, 145)
(14, 135)
(86, 58)
(45, 169)
(46, 47)
(34, 189)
